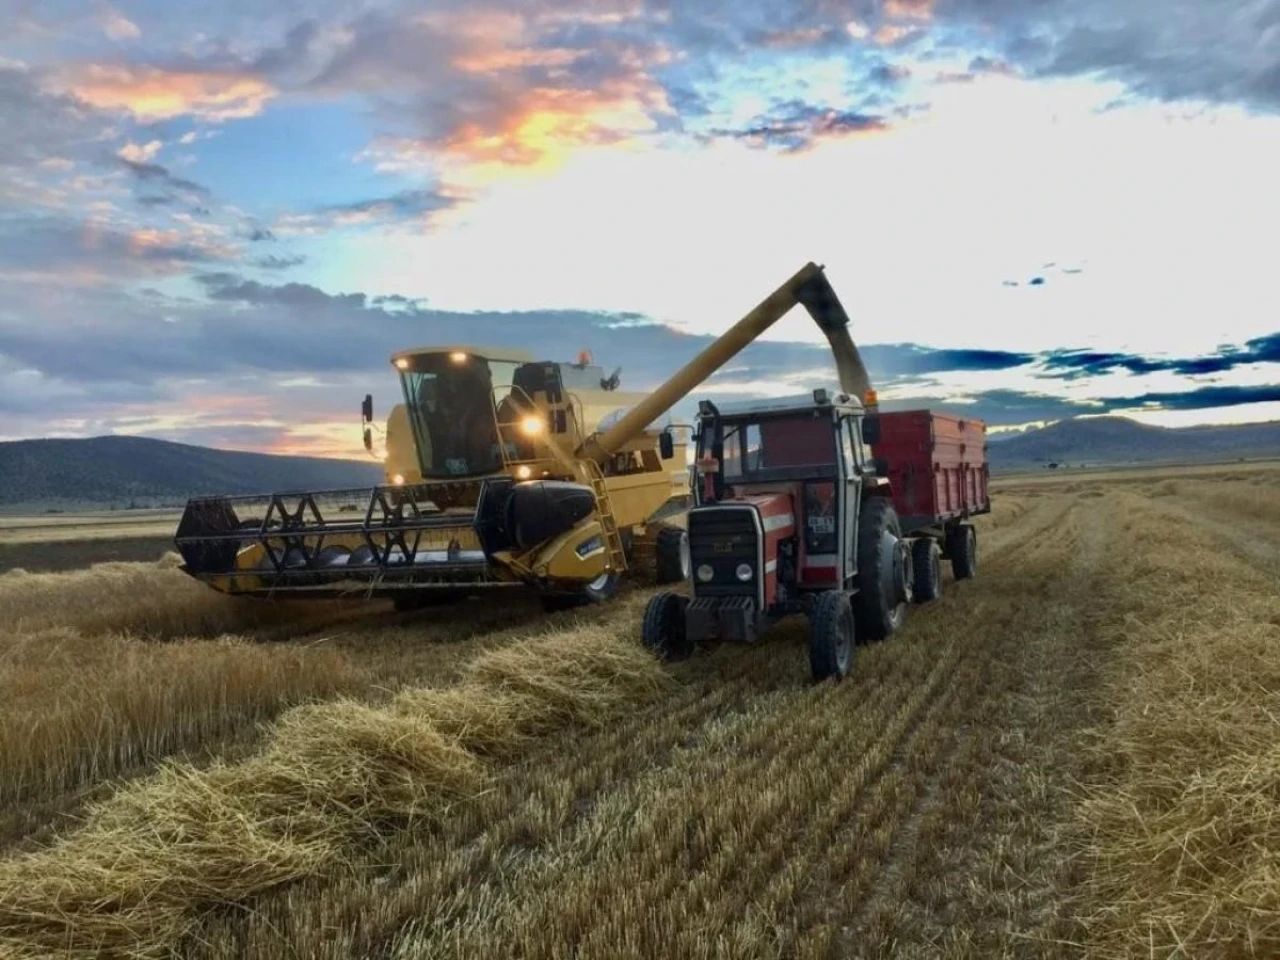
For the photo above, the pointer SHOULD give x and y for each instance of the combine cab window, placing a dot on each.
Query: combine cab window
(451, 407)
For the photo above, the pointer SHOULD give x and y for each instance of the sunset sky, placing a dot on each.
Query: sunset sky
(216, 224)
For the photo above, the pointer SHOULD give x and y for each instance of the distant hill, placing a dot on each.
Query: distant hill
(1113, 440)
(145, 472)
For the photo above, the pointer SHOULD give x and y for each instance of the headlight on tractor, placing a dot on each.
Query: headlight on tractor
(532, 426)
(743, 572)
(705, 573)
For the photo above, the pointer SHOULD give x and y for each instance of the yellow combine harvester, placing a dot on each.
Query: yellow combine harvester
(502, 471)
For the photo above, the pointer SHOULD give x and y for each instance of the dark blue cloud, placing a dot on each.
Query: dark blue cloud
(795, 126)
(1071, 364)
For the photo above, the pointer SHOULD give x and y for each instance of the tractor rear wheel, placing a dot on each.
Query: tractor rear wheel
(926, 559)
(962, 548)
(599, 590)
(663, 628)
(673, 563)
(831, 636)
(884, 579)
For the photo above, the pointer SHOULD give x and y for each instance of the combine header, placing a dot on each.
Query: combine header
(502, 472)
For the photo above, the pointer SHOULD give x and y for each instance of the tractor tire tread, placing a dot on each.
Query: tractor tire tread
(668, 548)
(825, 628)
(873, 611)
(662, 629)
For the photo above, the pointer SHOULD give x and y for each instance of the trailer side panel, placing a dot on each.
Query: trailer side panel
(937, 465)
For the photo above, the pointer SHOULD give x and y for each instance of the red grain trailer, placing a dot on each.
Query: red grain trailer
(937, 466)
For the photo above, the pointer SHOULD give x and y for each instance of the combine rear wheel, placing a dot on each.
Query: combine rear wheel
(831, 636)
(673, 563)
(926, 559)
(885, 580)
(663, 628)
(599, 590)
(962, 548)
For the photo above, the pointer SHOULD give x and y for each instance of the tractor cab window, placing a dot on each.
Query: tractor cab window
(851, 445)
(772, 447)
(451, 404)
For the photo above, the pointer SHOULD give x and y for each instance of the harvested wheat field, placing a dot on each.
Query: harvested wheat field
(1073, 755)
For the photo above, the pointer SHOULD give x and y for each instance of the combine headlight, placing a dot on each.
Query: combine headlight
(402, 363)
(532, 426)
(743, 572)
(458, 357)
(705, 573)
(398, 479)
(524, 473)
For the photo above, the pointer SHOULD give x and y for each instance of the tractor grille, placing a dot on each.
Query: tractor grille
(722, 538)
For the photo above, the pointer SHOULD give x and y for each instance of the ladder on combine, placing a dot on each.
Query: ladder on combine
(609, 523)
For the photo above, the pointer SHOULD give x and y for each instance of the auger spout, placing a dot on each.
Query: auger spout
(808, 286)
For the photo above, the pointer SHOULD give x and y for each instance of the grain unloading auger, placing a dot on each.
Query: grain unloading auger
(501, 473)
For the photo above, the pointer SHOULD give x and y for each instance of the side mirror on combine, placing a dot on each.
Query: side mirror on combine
(666, 444)
(871, 430)
(368, 439)
(366, 408)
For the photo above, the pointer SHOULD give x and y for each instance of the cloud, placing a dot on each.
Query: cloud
(1192, 50)
(268, 333)
(140, 152)
(40, 248)
(1014, 408)
(117, 26)
(273, 262)
(39, 125)
(154, 176)
(419, 205)
(155, 93)
(1079, 363)
(795, 126)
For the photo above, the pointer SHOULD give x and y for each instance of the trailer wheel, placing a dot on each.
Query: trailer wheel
(673, 563)
(831, 636)
(663, 628)
(926, 559)
(599, 590)
(884, 571)
(962, 548)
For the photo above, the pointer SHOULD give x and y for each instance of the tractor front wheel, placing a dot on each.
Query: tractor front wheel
(663, 628)
(672, 549)
(831, 636)
(926, 559)
(885, 579)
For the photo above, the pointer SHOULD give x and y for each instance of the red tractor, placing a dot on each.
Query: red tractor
(794, 516)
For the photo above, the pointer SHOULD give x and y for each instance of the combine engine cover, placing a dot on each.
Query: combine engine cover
(734, 548)
(371, 541)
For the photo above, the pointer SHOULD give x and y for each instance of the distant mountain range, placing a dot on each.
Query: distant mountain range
(123, 470)
(1116, 440)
